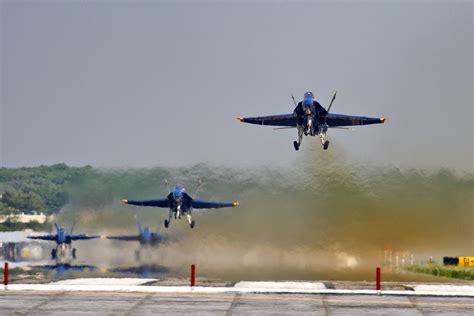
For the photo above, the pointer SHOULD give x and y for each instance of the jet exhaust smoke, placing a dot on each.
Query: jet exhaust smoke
(320, 219)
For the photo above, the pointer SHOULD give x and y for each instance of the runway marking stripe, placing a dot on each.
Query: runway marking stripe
(257, 297)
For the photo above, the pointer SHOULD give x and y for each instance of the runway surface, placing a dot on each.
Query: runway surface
(75, 303)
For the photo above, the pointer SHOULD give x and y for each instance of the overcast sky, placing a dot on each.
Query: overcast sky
(151, 83)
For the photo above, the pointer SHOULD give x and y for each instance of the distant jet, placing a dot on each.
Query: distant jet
(63, 241)
(310, 118)
(180, 203)
(145, 237)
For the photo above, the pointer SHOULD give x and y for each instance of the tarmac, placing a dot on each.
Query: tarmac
(143, 297)
(132, 303)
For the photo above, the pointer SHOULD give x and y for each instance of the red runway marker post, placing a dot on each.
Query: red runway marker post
(378, 279)
(5, 275)
(193, 275)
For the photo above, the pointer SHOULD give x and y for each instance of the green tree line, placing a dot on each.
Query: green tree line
(41, 189)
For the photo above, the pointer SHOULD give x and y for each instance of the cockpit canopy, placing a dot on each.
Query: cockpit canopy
(308, 98)
(178, 192)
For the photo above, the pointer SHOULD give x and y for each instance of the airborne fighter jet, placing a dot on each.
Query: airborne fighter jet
(310, 118)
(63, 241)
(179, 204)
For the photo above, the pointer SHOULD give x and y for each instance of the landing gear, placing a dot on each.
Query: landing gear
(326, 145)
(137, 255)
(192, 224)
(54, 253)
(74, 253)
(167, 223)
(323, 128)
(297, 144)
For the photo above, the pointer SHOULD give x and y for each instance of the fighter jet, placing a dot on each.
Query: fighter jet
(180, 203)
(145, 237)
(63, 242)
(310, 118)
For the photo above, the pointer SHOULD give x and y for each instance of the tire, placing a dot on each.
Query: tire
(326, 145)
(192, 224)
(295, 143)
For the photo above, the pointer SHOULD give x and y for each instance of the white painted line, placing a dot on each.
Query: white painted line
(212, 290)
(281, 285)
(103, 281)
(443, 288)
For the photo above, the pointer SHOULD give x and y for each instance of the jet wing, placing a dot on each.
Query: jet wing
(334, 120)
(155, 203)
(127, 238)
(44, 237)
(207, 204)
(81, 237)
(274, 120)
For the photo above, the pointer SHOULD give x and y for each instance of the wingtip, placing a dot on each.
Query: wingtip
(236, 203)
(241, 119)
(382, 120)
(124, 201)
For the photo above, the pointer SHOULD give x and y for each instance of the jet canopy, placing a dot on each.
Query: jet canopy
(178, 192)
(308, 98)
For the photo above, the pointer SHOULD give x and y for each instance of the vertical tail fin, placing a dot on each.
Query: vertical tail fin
(138, 225)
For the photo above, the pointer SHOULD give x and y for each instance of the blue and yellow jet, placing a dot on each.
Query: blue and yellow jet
(63, 241)
(310, 118)
(180, 203)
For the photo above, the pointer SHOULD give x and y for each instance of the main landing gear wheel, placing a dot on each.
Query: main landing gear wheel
(326, 145)
(53, 254)
(167, 223)
(192, 224)
(74, 253)
(295, 143)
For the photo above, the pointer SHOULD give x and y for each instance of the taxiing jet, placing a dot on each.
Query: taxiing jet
(63, 241)
(180, 204)
(310, 118)
(145, 237)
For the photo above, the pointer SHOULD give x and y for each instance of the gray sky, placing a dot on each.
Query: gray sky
(161, 83)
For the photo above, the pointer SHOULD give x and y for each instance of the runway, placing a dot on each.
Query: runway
(119, 303)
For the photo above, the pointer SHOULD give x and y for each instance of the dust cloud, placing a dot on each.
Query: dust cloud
(323, 218)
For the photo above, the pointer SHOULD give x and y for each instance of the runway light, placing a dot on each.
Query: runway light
(378, 280)
(5, 276)
(193, 275)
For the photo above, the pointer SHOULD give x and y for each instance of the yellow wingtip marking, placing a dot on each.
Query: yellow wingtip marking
(125, 201)
(382, 119)
(103, 236)
(236, 203)
(241, 119)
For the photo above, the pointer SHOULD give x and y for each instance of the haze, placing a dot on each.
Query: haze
(162, 82)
